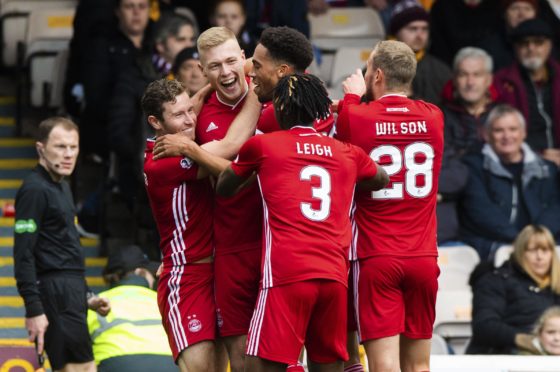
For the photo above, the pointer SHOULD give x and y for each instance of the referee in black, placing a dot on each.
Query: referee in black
(48, 259)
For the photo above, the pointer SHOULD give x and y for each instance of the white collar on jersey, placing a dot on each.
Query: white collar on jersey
(238, 101)
(392, 95)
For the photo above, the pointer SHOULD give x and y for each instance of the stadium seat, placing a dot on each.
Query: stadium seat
(456, 264)
(439, 346)
(453, 318)
(346, 61)
(48, 37)
(346, 27)
(14, 17)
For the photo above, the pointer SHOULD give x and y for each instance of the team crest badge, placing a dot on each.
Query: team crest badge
(194, 324)
(186, 163)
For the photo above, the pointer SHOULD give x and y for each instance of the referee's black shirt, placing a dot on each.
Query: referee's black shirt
(45, 238)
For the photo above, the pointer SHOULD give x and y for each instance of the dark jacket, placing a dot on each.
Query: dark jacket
(431, 76)
(455, 25)
(500, 48)
(452, 180)
(46, 241)
(489, 206)
(463, 131)
(512, 90)
(506, 301)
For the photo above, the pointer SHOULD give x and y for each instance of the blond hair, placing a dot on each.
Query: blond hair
(213, 37)
(551, 312)
(398, 63)
(542, 237)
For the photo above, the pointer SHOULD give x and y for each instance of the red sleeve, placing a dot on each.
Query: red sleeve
(343, 132)
(175, 169)
(324, 126)
(267, 121)
(249, 158)
(366, 168)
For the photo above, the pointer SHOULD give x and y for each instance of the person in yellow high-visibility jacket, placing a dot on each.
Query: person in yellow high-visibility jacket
(131, 337)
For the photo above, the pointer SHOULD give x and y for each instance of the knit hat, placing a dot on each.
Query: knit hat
(184, 55)
(128, 258)
(404, 12)
(531, 27)
(507, 3)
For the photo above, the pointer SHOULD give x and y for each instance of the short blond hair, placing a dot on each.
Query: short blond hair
(542, 237)
(213, 37)
(397, 61)
(551, 312)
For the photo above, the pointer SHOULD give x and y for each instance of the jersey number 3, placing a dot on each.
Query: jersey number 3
(323, 193)
(413, 169)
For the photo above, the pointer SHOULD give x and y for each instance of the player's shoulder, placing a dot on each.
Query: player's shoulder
(427, 107)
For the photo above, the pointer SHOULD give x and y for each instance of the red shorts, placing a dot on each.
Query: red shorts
(237, 288)
(186, 304)
(312, 312)
(397, 296)
(352, 325)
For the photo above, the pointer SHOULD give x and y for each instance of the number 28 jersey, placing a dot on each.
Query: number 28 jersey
(307, 183)
(405, 137)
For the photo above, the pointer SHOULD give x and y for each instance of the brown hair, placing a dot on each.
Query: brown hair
(159, 92)
(397, 61)
(213, 37)
(543, 238)
(47, 125)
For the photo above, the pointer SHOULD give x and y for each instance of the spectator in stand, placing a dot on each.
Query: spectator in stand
(186, 70)
(173, 33)
(409, 24)
(532, 84)
(467, 100)
(107, 58)
(509, 186)
(498, 44)
(547, 332)
(459, 23)
(507, 301)
(231, 14)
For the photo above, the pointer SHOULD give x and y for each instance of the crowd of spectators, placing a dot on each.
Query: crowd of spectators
(492, 67)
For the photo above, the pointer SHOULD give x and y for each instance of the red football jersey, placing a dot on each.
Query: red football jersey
(307, 182)
(182, 207)
(237, 220)
(267, 121)
(405, 137)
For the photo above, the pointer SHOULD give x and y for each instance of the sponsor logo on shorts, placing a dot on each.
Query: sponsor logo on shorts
(23, 226)
(194, 324)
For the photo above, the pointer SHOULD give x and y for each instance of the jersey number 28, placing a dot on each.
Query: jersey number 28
(413, 169)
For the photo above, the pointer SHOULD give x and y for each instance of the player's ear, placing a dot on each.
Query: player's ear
(283, 70)
(40, 147)
(154, 122)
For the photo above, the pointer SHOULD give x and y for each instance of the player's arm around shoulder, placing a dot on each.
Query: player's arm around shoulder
(370, 176)
(241, 172)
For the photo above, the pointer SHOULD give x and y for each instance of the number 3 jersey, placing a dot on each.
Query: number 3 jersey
(307, 183)
(405, 137)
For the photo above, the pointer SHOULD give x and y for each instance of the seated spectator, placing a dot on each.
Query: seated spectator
(509, 186)
(409, 24)
(498, 44)
(131, 338)
(186, 69)
(467, 100)
(456, 24)
(507, 301)
(547, 332)
(549, 10)
(532, 85)
(173, 33)
(231, 14)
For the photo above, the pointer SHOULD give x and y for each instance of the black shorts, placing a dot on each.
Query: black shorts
(67, 338)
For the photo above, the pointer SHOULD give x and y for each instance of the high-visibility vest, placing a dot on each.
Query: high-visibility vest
(133, 326)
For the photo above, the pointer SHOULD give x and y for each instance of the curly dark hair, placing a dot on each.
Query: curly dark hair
(288, 45)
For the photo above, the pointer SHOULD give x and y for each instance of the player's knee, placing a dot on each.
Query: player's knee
(383, 364)
(198, 358)
(237, 363)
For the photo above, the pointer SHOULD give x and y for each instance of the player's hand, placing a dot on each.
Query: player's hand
(199, 98)
(159, 270)
(171, 145)
(552, 155)
(100, 305)
(334, 105)
(36, 327)
(355, 84)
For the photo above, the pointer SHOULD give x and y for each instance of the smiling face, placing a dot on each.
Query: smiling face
(59, 153)
(550, 335)
(505, 136)
(178, 117)
(266, 73)
(223, 66)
